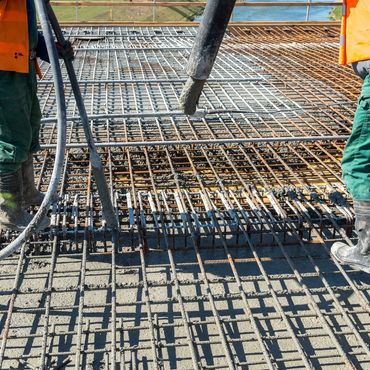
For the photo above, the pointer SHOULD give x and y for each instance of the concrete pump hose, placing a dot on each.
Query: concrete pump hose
(61, 136)
(209, 37)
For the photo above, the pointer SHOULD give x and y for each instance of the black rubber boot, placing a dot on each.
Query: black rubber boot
(31, 196)
(358, 256)
(12, 215)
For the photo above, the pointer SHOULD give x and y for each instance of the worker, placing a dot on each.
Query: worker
(355, 50)
(20, 114)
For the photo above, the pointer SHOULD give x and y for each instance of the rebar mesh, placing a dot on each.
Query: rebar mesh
(223, 259)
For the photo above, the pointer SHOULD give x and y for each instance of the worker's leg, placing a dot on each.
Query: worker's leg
(15, 129)
(15, 138)
(356, 175)
(356, 157)
(15, 142)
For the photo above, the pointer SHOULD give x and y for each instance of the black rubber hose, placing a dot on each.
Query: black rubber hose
(61, 135)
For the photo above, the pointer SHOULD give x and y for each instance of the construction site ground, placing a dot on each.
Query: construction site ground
(227, 218)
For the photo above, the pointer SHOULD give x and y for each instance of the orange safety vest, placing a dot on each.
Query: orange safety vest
(14, 38)
(355, 31)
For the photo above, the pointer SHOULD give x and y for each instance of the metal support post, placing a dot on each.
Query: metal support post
(97, 167)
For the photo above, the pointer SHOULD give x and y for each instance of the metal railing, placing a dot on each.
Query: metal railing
(149, 11)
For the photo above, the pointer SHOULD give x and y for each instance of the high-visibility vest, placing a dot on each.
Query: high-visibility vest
(355, 31)
(14, 38)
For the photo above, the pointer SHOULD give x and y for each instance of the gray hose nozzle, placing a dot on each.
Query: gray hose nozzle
(190, 95)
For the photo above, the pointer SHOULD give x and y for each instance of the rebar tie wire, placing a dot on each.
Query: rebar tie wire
(48, 21)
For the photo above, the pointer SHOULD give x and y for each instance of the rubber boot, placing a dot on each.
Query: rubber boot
(31, 196)
(12, 215)
(359, 256)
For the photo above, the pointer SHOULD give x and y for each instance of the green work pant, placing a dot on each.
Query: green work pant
(356, 157)
(20, 118)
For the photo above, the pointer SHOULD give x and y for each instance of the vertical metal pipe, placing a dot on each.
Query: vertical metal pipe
(97, 167)
(308, 10)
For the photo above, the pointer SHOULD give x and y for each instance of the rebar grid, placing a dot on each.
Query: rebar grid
(223, 259)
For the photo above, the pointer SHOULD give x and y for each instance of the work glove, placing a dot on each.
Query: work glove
(362, 68)
(42, 51)
(65, 51)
